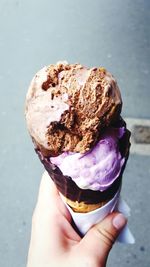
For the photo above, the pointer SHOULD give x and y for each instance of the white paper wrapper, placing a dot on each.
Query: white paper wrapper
(84, 221)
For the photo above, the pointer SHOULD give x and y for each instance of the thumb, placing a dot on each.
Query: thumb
(100, 238)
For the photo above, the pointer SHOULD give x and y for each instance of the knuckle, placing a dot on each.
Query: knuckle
(107, 237)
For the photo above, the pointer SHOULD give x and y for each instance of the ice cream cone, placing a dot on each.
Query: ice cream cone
(80, 200)
(76, 110)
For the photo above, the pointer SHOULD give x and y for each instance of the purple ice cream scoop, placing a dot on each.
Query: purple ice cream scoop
(100, 167)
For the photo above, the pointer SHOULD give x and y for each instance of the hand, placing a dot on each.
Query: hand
(55, 243)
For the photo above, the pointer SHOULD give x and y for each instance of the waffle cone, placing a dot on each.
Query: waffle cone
(82, 207)
(80, 200)
(84, 200)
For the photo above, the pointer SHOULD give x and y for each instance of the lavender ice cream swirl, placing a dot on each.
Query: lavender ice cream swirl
(97, 169)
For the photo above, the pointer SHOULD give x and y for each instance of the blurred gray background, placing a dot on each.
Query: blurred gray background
(110, 33)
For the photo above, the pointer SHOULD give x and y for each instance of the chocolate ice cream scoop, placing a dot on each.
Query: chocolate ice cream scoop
(68, 106)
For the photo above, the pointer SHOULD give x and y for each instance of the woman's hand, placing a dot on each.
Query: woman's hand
(55, 243)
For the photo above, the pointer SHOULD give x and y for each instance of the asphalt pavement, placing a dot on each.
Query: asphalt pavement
(114, 34)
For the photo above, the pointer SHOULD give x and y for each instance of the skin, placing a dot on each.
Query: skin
(55, 243)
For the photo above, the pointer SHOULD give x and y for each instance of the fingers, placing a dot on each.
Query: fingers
(46, 214)
(50, 203)
(99, 239)
(47, 190)
(51, 219)
(49, 199)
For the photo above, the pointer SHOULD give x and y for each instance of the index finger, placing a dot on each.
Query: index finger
(49, 198)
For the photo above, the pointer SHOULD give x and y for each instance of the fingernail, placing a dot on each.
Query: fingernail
(119, 221)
